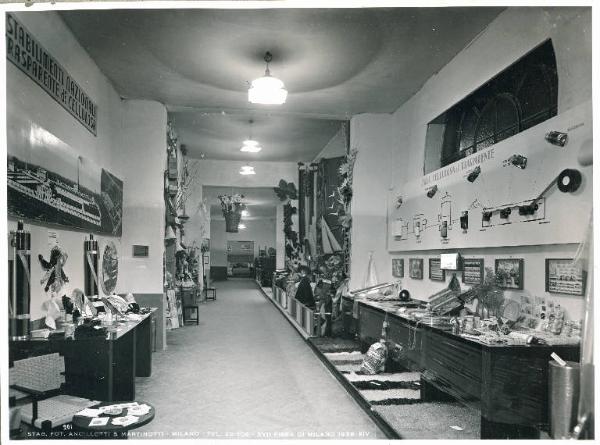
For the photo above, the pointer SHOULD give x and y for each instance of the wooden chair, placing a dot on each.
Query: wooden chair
(208, 288)
(213, 290)
(41, 381)
(190, 306)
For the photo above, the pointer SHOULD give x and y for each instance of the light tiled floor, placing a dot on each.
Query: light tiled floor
(244, 372)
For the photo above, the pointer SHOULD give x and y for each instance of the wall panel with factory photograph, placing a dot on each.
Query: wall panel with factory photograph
(50, 183)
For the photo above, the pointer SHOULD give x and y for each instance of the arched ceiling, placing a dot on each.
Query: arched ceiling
(335, 63)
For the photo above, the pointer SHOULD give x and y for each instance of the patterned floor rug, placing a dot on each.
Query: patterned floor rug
(396, 397)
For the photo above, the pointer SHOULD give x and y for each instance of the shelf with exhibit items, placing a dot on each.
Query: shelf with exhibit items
(100, 341)
(476, 345)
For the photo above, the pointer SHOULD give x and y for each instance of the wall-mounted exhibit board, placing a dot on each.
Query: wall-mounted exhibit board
(421, 222)
(51, 182)
(62, 190)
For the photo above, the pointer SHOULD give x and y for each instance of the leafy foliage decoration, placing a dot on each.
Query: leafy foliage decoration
(286, 192)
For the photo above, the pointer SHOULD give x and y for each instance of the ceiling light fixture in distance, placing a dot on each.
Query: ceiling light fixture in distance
(250, 145)
(247, 170)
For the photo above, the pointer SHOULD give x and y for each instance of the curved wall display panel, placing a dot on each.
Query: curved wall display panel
(515, 200)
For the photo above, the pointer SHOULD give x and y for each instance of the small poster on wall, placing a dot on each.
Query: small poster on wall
(398, 267)
(436, 273)
(472, 271)
(563, 276)
(509, 273)
(415, 268)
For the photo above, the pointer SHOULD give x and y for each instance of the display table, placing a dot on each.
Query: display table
(264, 270)
(82, 424)
(508, 383)
(99, 368)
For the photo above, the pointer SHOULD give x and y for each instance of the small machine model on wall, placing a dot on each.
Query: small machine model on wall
(524, 190)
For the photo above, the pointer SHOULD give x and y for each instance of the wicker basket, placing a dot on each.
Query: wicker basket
(232, 220)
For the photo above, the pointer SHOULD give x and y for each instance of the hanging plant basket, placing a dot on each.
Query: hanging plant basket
(232, 221)
(232, 206)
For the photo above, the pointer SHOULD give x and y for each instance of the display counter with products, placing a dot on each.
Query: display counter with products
(303, 318)
(101, 367)
(506, 379)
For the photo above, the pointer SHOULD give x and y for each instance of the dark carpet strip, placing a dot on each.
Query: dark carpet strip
(347, 362)
(326, 344)
(383, 385)
(396, 402)
(327, 350)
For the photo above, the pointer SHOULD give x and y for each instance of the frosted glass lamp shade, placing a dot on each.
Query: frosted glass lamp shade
(247, 170)
(251, 146)
(267, 90)
(170, 233)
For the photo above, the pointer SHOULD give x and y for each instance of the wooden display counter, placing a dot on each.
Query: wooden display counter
(508, 383)
(99, 368)
(301, 317)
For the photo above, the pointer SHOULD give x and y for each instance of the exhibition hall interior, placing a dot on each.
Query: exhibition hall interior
(266, 220)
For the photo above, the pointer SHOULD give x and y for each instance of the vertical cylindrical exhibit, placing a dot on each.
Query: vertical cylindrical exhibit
(21, 294)
(563, 398)
(90, 266)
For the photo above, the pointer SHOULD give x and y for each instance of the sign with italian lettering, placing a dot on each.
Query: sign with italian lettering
(459, 167)
(26, 53)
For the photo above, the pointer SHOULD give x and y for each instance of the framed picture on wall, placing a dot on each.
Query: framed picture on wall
(415, 268)
(398, 267)
(509, 273)
(472, 271)
(436, 273)
(563, 276)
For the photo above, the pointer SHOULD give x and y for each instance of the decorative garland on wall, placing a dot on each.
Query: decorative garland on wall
(345, 193)
(286, 192)
(345, 188)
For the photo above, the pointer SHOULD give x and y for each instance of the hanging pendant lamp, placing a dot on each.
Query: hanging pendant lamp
(267, 90)
(250, 145)
(247, 170)
(170, 233)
